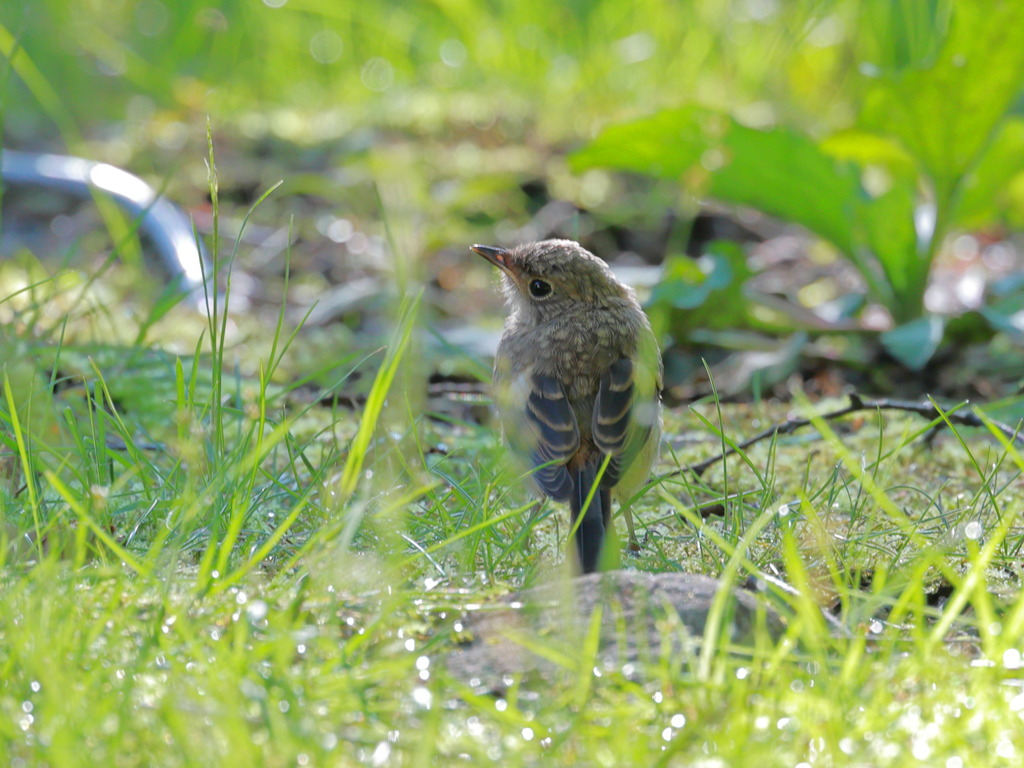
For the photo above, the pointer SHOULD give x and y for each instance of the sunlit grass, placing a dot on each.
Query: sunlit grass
(197, 566)
(252, 589)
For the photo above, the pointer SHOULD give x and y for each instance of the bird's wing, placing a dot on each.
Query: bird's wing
(626, 411)
(556, 434)
(613, 406)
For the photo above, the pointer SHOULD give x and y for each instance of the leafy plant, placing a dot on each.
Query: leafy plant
(936, 145)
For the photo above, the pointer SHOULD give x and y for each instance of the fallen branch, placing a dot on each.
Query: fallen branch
(857, 404)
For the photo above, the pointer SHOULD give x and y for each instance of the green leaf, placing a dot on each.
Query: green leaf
(708, 289)
(886, 225)
(945, 114)
(971, 327)
(784, 174)
(899, 35)
(987, 193)
(780, 172)
(665, 145)
(870, 149)
(914, 343)
(1007, 314)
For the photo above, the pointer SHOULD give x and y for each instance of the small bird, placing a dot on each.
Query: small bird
(577, 382)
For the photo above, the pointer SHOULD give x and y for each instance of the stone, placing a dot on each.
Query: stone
(645, 619)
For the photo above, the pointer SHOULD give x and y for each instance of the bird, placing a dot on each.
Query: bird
(577, 382)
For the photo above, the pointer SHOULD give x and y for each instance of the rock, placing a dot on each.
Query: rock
(645, 619)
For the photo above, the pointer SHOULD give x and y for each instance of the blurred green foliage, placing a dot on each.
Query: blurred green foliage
(935, 146)
(709, 289)
(881, 126)
(268, 65)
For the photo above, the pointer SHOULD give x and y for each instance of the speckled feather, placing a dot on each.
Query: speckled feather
(591, 321)
(566, 342)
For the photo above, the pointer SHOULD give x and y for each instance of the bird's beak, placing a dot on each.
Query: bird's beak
(494, 255)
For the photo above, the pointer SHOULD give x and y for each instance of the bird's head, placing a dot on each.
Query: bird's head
(551, 277)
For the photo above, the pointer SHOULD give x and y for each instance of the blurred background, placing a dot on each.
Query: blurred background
(813, 193)
(257, 534)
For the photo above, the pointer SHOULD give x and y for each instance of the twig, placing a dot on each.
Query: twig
(857, 404)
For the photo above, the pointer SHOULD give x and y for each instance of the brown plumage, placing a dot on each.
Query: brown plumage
(577, 378)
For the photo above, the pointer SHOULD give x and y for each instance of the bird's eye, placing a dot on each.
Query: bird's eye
(539, 288)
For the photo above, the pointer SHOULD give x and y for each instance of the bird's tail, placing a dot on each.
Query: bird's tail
(590, 533)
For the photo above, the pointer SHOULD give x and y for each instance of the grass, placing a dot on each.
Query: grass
(199, 566)
(197, 569)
